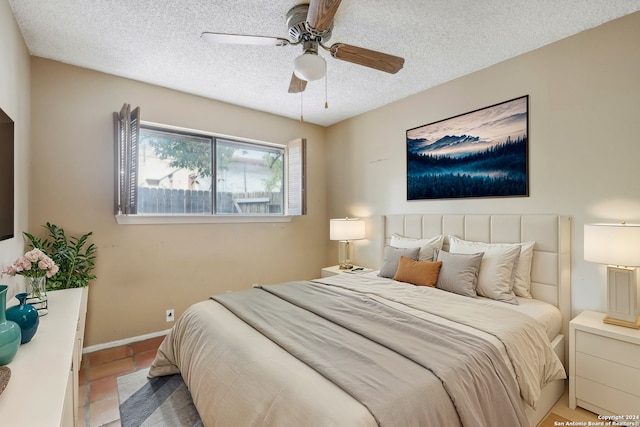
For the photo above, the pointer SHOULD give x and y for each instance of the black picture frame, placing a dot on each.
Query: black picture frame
(482, 153)
(7, 178)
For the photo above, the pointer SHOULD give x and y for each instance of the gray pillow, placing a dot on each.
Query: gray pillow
(459, 272)
(392, 259)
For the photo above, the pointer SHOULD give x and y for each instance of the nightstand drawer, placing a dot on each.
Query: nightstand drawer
(593, 394)
(609, 349)
(620, 377)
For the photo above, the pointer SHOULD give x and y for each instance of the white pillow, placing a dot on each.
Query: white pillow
(427, 246)
(495, 279)
(522, 271)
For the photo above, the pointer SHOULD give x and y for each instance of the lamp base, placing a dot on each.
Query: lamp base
(612, 321)
(346, 266)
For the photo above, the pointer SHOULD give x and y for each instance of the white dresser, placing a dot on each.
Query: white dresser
(604, 366)
(43, 389)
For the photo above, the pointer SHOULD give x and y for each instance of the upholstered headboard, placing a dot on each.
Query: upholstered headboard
(551, 265)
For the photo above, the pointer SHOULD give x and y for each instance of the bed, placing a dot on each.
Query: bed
(350, 349)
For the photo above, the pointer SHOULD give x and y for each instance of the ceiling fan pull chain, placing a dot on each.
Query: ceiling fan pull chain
(326, 97)
(301, 116)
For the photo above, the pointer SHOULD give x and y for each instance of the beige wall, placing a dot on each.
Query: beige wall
(144, 269)
(14, 100)
(584, 140)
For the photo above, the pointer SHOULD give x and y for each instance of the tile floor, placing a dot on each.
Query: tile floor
(97, 377)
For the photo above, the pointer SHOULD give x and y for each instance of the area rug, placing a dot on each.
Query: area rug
(161, 401)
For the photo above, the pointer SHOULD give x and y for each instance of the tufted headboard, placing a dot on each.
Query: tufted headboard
(551, 265)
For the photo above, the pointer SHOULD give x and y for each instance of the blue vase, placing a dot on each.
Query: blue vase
(10, 333)
(26, 316)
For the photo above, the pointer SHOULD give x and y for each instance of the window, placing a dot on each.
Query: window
(164, 171)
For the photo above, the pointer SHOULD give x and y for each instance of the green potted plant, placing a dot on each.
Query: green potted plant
(74, 256)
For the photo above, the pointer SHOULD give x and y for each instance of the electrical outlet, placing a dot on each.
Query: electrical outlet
(170, 315)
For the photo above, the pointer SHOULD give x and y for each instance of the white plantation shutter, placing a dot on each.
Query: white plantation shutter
(127, 132)
(295, 172)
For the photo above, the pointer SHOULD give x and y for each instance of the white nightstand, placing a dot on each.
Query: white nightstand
(604, 366)
(335, 269)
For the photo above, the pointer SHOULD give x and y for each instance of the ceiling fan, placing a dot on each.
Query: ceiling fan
(310, 25)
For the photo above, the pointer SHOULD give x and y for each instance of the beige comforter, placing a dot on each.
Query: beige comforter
(238, 377)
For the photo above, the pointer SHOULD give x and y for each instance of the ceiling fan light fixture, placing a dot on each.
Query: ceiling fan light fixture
(309, 66)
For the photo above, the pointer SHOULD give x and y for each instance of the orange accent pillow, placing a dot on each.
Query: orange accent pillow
(421, 273)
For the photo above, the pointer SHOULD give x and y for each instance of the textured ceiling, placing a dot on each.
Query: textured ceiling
(158, 41)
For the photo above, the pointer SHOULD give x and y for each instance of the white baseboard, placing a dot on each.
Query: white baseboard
(125, 341)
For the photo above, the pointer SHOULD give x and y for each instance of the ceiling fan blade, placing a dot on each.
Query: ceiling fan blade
(243, 39)
(321, 13)
(297, 85)
(368, 58)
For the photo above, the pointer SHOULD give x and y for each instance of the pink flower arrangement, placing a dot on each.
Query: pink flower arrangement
(34, 263)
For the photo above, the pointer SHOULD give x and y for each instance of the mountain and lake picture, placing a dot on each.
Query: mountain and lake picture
(482, 153)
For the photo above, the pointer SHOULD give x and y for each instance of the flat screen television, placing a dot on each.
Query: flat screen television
(6, 176)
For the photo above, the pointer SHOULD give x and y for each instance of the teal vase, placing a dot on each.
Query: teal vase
(26, 316)
(10, 334)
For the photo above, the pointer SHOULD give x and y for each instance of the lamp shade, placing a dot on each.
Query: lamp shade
(346, 229)
(612, 244)
(309, 67)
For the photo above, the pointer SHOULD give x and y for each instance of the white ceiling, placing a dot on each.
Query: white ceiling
(158, 41)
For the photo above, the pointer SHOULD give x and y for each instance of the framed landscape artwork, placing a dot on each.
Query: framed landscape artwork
(483, 153)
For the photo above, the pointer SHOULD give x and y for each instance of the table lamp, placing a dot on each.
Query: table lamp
(617, 246)
(345, 230)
